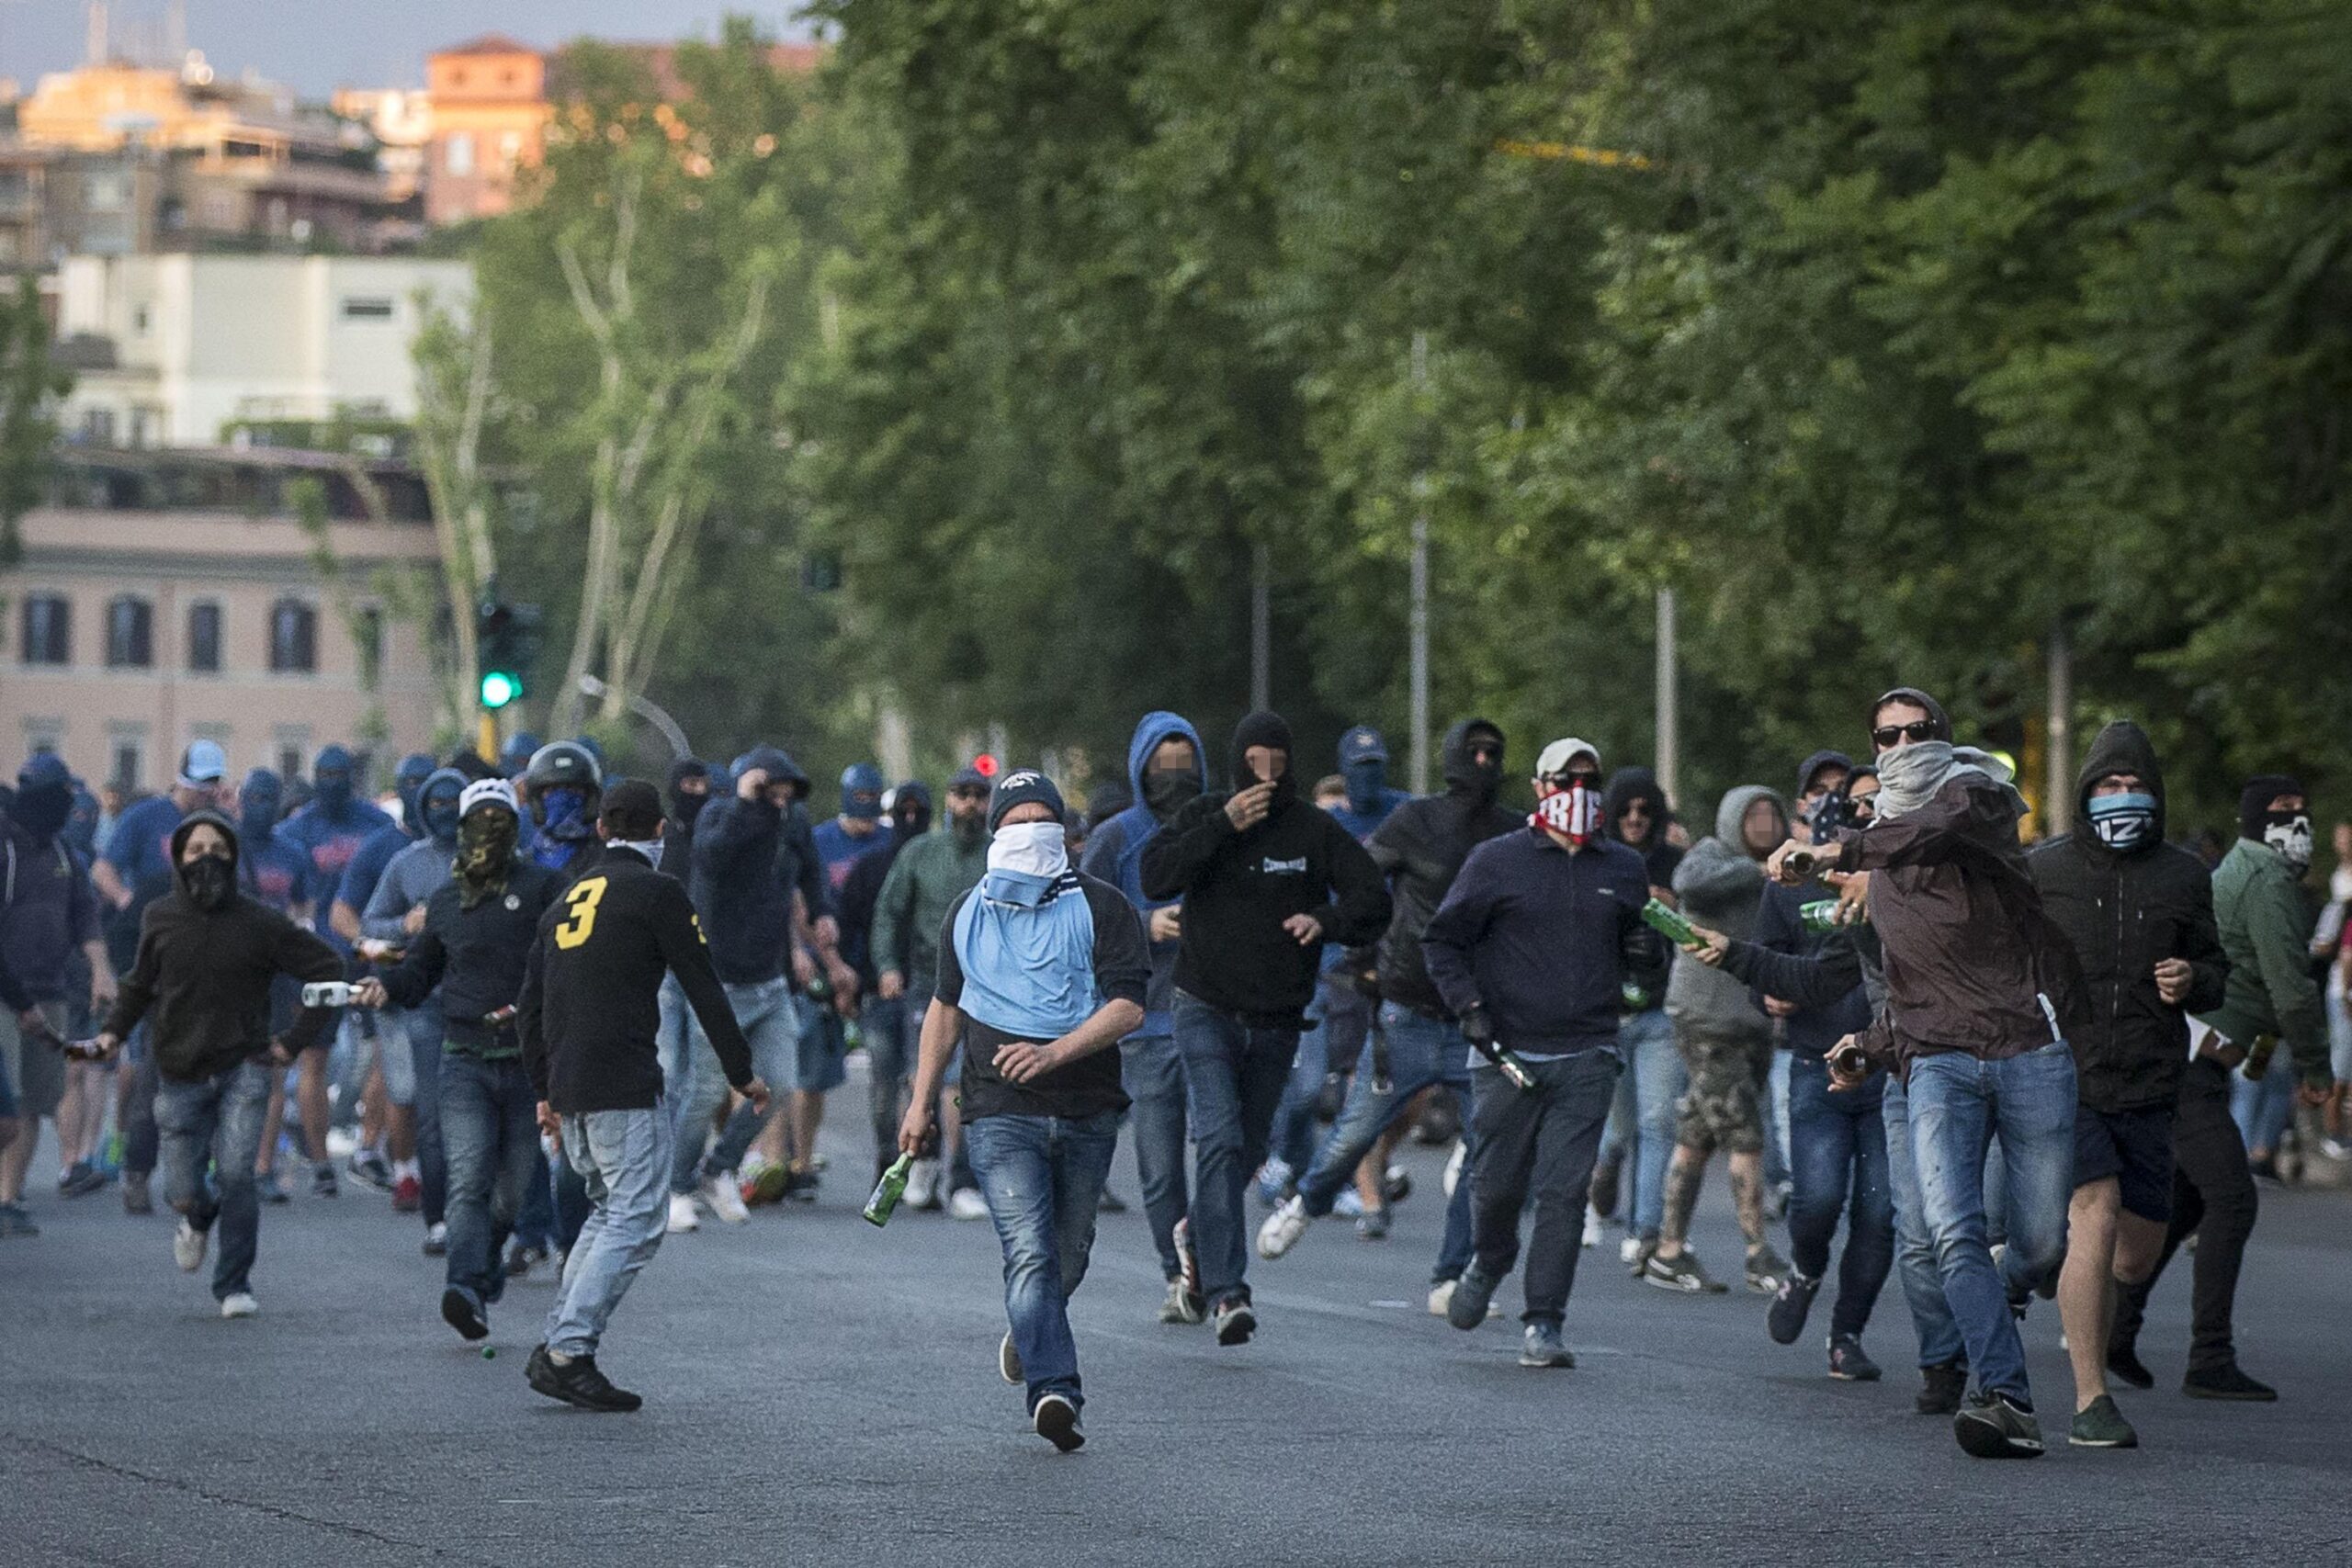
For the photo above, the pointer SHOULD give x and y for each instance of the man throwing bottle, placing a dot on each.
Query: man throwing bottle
(1041, 972)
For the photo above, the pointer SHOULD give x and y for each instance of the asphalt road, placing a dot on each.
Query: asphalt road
(821, 1392)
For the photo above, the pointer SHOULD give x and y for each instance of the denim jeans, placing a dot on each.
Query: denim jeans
(1153, 1075)
(1642, 1117)
(535, 1221)
(764, 1010)
(140, 1137)
(1042, 1177)
(889, 1041)
(1838, 1159)
(623, 1159)
(1338, 1028)
(490, 1121)
(1422, 1050)
(1957, 1102)
(1540, 1144)
(1234, 1074)
(2263, 1109)
(424, 1034)
(1914, 1247)
(217, 1120)
(1777, 1135)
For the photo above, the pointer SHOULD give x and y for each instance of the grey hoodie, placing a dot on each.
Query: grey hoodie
(1721, 886)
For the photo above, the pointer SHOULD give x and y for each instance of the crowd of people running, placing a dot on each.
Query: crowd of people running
(543, 1008)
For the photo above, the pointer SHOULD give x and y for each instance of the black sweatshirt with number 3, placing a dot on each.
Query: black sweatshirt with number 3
(591, 994)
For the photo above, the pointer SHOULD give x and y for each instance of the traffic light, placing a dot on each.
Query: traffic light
(506, 647)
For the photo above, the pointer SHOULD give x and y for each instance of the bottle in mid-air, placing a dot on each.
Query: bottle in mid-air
(326, 994)
(888, 1190)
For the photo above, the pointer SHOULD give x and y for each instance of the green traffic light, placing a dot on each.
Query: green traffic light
(499, 688)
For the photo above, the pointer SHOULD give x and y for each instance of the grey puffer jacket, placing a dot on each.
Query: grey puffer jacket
(1721, 886)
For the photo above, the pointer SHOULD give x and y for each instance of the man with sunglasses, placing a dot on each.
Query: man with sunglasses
(1529, 952)
(925, 880)
(1981, 990)
(1420, 849)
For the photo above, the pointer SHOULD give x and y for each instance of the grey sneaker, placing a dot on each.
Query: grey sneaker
(1541, 1345)
(1993, 1425)
(1680, 1272)
(2102, 1426)
(1181, 1305)
(1467, 1307)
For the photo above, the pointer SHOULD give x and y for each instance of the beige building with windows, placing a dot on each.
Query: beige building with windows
(165, 597)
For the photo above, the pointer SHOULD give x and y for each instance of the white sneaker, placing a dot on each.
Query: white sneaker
(189, 1245)
(1593, 1227)
(1441, 1297)
(342, 1142)
(966, 1203)
(1283, 1228)
(1454, 1164)
(240, 1304)
(1629, 1249)
(683, 1217)
(1349, 1205)
(922, 1184)
(726, 1200)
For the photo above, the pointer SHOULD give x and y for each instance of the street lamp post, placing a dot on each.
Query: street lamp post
(645, 708)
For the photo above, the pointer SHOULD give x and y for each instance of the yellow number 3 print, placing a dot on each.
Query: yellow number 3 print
(582, 900)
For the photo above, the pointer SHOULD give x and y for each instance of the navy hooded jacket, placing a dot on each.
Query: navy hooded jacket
(1114, 854)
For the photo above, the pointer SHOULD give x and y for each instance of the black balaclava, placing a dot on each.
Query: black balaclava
(910, 810)
(1626, 785)
(261, 803)
(44, 797)
(1464, 777)
(2289, 833)
(1267, 729)
(436, 806)
(683, 806)
(209, 882)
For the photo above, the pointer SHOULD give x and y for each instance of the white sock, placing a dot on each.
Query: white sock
(405, 1167)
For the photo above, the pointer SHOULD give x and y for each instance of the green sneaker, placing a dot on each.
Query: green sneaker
(2101, 1426)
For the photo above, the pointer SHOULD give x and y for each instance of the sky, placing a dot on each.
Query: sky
(318, 45)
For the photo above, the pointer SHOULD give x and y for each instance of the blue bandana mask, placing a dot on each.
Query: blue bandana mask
(2123, 822)
(563, 812)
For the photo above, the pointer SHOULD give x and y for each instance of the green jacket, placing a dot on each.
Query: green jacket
(2266, 932)
(929, 876)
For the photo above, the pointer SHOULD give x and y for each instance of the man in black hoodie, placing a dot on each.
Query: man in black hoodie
(206, 956)
(1266, 880)
(1418, 848)
(1634, 813)
(2140, 914)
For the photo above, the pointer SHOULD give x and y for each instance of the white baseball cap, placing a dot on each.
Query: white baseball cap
(1561, 753)
(493, 791)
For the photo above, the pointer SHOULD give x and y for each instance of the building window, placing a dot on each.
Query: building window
(458, 154)
(107, 192)
(203, 638)
(367, 308)
(124, 770)
(130, 633)
(46, 734)
(97, 426)
(292, 744)
(293, 638)
(49, 629)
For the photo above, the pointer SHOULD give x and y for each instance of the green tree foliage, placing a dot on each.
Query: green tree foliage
(30, 386)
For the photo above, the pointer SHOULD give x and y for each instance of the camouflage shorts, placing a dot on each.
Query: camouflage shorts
(1724, 1108)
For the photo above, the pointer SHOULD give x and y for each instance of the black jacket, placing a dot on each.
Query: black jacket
(1420, 849)
(1239, 888)
(1819, 1021)
(592, 993)
(204, 975)
(2123, 912)
(476, 956)
(749, 857)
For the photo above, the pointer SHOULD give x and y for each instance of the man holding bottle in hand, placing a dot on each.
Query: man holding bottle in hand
(1041, 971)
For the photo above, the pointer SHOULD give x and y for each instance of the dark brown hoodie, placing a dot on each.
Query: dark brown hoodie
(202, 976)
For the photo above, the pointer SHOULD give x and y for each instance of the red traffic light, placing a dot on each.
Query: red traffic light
(985, 764)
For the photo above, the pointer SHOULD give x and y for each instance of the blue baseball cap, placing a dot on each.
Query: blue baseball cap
(203, 763)
(1363, 744)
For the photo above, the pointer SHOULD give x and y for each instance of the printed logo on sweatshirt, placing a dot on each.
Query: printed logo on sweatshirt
(1272, 868)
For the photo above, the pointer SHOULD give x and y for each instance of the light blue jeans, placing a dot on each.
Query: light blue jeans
(217, 1121)
(1043, 1177)
(623, 1158)
(1914, 1247)
(1643, 1118)
(1421, 1052)
(2262, 1110)
(1957, 1103)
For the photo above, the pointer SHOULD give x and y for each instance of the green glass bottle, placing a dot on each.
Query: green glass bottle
(1821, 915)
(888, 1190)
(1662, 917)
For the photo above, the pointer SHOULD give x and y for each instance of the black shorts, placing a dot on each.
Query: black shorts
(2133, 1146)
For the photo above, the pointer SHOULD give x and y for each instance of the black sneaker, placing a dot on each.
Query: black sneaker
(520, 1258)
(82, 1181)
(1396, 1184)
(801, 1186)
(1790, 1306)
(1681, 1272)
(322, 1182)
(1943, 1387)
(1234, 1321)
(578, 1381)
(370, 1168)
(2124, 1365)
(1107, 1203)
(462, 1313)
(1468, 1309)
(2225, 1381)
(1056, 1422)
(2102, 1426)
(1373, 1225)
(1994, 1426)
(272, 1187)
(1848, 1363)
(1188, 1262)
